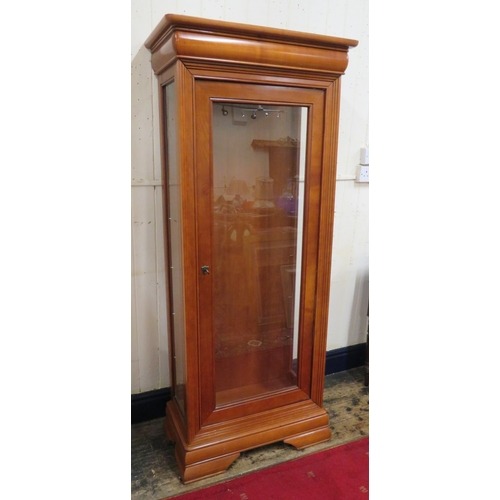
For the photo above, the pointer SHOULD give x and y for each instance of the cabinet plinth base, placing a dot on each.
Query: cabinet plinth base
(309, 438)
(206, 469)
(217, 446)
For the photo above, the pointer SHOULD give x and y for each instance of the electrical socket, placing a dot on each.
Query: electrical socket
(362, 173)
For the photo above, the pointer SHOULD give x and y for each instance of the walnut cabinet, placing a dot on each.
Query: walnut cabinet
(249, 119)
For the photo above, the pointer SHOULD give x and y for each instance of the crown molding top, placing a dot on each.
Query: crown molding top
(195, 39)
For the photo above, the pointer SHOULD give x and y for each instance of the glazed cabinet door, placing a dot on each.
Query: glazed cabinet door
(258, 161)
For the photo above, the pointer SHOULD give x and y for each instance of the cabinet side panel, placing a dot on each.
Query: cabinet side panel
(175, 245)
(329, 171)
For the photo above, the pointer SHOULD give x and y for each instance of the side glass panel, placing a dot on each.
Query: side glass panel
(174, 240)
(258, 172)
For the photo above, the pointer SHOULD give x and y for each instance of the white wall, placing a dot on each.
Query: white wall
(349, 278)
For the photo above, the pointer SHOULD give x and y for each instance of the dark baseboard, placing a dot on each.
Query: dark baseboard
(345, 358)
(150, 405)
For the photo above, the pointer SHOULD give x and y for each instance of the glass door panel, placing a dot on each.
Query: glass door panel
(258, 175)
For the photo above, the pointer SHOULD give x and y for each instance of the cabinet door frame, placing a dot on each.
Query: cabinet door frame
(206, 93)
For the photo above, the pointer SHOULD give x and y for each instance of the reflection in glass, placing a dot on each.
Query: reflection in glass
(258, 193)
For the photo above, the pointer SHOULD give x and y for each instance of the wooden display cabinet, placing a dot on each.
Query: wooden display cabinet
(249, 119)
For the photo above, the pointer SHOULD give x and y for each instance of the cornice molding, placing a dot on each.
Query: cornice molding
(192, 39)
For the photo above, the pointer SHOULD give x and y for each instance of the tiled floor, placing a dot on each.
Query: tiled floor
(154, 469)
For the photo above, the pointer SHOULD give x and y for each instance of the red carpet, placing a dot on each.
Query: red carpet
(339, 473)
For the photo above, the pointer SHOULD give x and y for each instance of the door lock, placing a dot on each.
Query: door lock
(205, 269)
